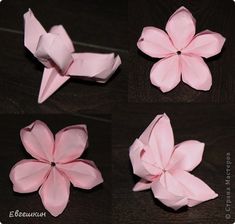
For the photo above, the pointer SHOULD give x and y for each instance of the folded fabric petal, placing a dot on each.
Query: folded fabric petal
(56, 164)
(181, 51)
(166, 73)
(28, 175)
(155, 43)
(55, 51)
(187, 155)
(205, 44)
(70, 143)
(55, 192)
(162, 166)
(195, 72)
(181, 28)
(82, 174)
(195, 189)
(38, 141)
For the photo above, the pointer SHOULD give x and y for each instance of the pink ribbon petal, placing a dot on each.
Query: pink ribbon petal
(195, 72)
(55, 192)
(187, 155)
(32, 31)
(82, 174)
(161, 141)
(169, 191)
(61, 32)
(70, 143)
(155, 43)
(51, 81)
(93, 66)
(142, 185)
(181, 28)
(28, 175)
(38, 141)
(195, 189)
(205, 44)
(166, 73)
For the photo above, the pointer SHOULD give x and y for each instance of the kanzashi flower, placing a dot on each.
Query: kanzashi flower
(182, 52)
(165, 168)
(56, 164)
(55, 50)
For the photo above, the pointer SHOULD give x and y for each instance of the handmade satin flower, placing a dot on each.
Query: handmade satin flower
(55, 51)
(56, 164)
(182, 52)
(165, 168)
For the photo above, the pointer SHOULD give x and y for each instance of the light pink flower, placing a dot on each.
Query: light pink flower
(182, 52)
(165, 168)
(55, 165)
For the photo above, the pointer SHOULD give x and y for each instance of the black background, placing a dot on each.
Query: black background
(116, 112)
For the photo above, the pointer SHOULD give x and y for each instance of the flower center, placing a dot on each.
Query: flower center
(178, 52)
(52, 164)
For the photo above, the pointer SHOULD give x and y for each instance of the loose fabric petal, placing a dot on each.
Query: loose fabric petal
(70, 143)
(142, 185)
(186, 156)
(166, 73)
(28, 175)
(181, 28)
(195, 189)
(38, 141)
(161, 141)
(55, 192)
(195, 72)
(81, 174)
(205, 44)
(155, 43)
(51, 81)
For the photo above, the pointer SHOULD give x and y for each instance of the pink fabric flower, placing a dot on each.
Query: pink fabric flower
(182, 52)
(55, 165)
(165, 168)
(55, 50)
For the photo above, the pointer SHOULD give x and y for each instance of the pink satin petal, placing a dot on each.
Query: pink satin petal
(196, 190)
(187, 155)
(51, 81)
(155, 43)
(38, 141)
(28, 175)
(51, 47)
(93, 66)
(195, 72)
(60, 30)
(70, 143)
(55, 192)
(181, 28)
(33, 30)
(82, 174)
(136, 150)
(205, 44)
(142, 185)
(166, 73)
(169, 192)
(161, 141)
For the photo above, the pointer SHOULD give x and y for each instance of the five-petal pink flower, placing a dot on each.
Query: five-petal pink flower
(182, 52)
(56, 164)
(165, 168)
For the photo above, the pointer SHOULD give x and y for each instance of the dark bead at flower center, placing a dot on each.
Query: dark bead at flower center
(178, 52)
(52, 164)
